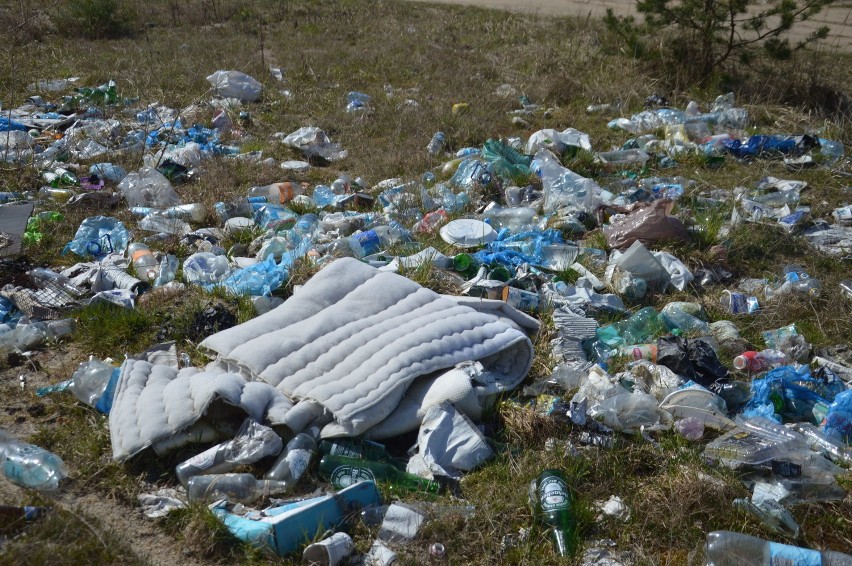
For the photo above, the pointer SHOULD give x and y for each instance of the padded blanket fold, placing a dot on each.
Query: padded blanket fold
(354, 338)
(153, 402)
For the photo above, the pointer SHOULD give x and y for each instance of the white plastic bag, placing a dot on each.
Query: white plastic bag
(148, 187)
(234, 84)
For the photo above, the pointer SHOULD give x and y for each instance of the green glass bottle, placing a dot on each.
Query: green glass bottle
(355, 448)
(343, 472)
(465, 264)
(551, 502)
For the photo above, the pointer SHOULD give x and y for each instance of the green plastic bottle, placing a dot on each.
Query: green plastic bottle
(551, 503)
(343, 472)
(465, 264)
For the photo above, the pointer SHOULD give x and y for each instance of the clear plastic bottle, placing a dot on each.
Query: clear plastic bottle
(436, 144)
(253, 442)
(726, 548)
(237, 488)
(30, 466)
(167, 271)
(144, 262)
(293, 461)
(278, 192)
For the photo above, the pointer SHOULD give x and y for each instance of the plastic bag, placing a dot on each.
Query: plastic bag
(557, 141)
(99, 236)
(148, 187)
(638, 261)
(234, 84)
(563, 187)
(693, 360)
(647, 225)
(838, 421)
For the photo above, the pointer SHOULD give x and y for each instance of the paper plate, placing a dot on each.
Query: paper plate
(467, 233)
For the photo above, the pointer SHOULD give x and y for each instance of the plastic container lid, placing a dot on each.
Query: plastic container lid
(468, 232)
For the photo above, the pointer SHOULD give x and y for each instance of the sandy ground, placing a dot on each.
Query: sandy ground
(838, 16)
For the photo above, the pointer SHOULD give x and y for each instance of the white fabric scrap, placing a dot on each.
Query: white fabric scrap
(448, 443)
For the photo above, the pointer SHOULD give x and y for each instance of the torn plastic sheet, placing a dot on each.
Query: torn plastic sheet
(448, 443)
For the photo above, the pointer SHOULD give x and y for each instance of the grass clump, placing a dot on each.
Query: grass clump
(98, 19)
(68, 536)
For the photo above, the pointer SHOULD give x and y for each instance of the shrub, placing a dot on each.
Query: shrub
(703, 35)
(98, 19)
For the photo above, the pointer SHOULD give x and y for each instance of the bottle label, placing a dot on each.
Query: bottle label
(786, 555)
(297, 462)
(286, 193)
(204, 460)
(342, 448)
(553, 494)
(344, 476)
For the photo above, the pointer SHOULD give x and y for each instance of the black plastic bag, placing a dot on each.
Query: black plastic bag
(692, 359)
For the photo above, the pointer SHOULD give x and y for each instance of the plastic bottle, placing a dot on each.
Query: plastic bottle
(28, 465)
(551, 503)
(253, 442)
(436, 144)
(756, 362)
(293, 461)
(12, 517)
(466, 264)
(144, 262)
(726, 548)
(343, 472)
(278, 192)
(90, 381)
(237, 488)
(167, 271)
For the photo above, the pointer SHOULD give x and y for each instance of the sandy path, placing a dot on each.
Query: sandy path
(838, 16)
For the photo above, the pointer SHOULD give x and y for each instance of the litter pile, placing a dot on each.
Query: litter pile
(362, 353)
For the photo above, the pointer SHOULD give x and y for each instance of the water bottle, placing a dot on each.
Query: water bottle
(436, 144)
(726, 548)
(90, 381)
(253, 442)
(144, 262)
(323, 196)
(27, 465)
(236, 488)
(294, 461)
(168, 270)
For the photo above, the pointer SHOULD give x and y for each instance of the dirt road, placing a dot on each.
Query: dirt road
(838, 16)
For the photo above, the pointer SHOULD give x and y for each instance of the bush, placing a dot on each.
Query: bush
(98, 19)
(702, 36)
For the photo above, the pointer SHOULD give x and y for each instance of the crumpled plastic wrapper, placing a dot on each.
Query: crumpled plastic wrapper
(647, 225)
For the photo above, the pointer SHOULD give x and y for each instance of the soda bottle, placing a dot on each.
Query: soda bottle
(551, 502)
(343, 472)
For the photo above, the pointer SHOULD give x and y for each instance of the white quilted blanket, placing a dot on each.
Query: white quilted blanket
(152, 402)
(353, 339)
(345, 349)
